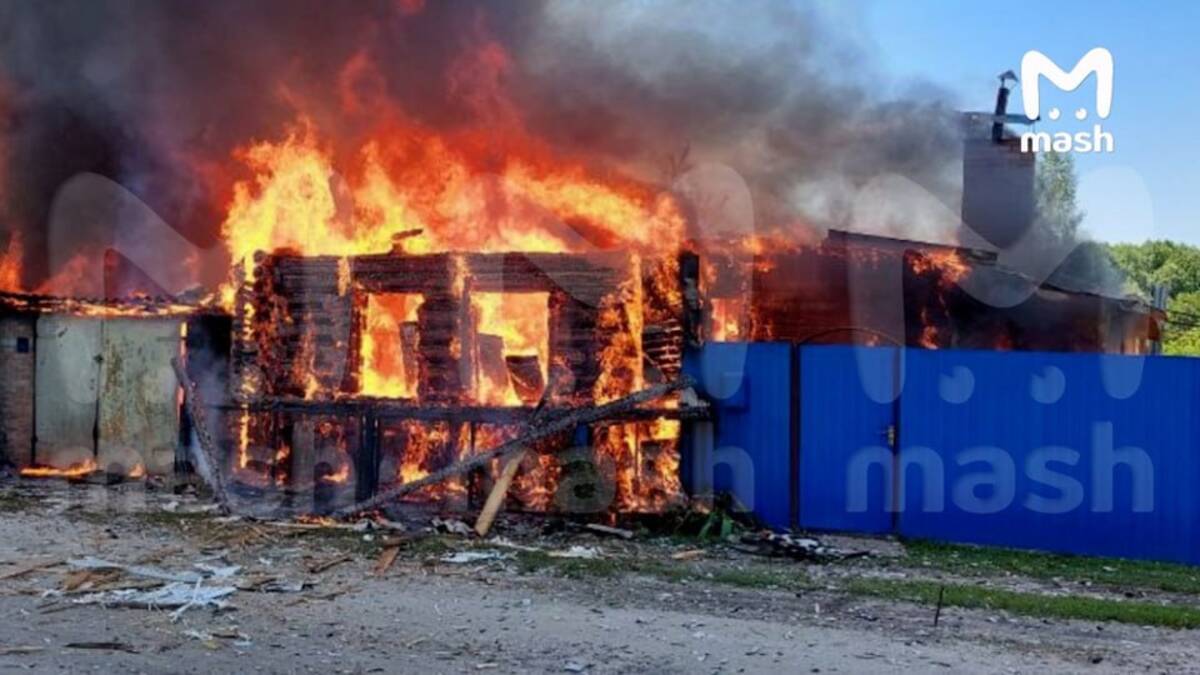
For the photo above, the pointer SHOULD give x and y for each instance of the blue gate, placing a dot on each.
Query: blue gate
(751, 389)
(847, 412)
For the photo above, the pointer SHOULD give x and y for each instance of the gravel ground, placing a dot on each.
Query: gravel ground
(428, 615)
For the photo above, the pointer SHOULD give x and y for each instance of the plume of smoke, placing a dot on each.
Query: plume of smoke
(157, 95)
(769, 89)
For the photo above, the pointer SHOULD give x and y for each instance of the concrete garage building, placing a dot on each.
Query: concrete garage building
(89, 384)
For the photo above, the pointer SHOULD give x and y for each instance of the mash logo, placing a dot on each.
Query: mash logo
(1036, 65)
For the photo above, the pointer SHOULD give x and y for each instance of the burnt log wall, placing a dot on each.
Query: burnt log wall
(307, 317)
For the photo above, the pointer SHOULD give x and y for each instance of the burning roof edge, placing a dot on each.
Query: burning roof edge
(976, 258)
(982, 258)
(141, 306)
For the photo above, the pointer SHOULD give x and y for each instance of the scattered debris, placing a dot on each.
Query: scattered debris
(271, 584)
(174, 506)
(210, 639)
(317, 568)
(468, 557)
(361, 525)
(144, 571)
(610, 531)
(508, 543)
(85, 580)
(579, 552)
(690, 554)
(798, 548)
(450, 526)
(937, 613)
(385, 524)
(30, 567)
(386, 560)
(178, 596)
(14, 651)
(108, 646)
(218, 572)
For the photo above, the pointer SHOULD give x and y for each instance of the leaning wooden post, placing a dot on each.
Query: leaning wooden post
(205, 454)
(499, 491)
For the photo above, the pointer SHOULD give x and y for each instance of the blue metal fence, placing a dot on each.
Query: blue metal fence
(1078, 453)
(1081, 453)
(751, 388)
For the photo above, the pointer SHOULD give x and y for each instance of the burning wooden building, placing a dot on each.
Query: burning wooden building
(372, 370)
(405, 299)
(339, 376)
(870, 290)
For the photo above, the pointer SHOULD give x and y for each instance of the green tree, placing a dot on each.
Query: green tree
(1151, 263)
(1177, 266)
(1086, 265)
(1182, 334)
(1054, 191)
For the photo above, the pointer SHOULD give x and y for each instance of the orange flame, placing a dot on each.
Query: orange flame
(77, 470)
(950, 268)
(306, 198)
(520, 321)
(10, 264)
(388, 360)
(488, 190)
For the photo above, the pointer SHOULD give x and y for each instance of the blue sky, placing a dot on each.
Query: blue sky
(1150, 187)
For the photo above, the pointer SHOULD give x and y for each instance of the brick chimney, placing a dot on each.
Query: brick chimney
(997, 202)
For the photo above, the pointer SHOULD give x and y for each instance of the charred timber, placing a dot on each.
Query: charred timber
(546, 425)
(391, 409)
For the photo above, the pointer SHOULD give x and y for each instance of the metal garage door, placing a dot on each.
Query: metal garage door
(66, 382)
(139, 410)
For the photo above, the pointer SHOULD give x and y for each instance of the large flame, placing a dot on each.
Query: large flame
(305, 197)
(10, 264)
(949, 268)
(403, 187)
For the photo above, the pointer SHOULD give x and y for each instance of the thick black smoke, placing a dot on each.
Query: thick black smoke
(151, 93)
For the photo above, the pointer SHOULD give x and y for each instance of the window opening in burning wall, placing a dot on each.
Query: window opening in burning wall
(512, 340)
(728, 319)
(389, 345)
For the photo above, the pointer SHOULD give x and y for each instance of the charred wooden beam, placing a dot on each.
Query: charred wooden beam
(366, 459)
(399, 410)
(553, 424)
(205, 457)
(525, 373)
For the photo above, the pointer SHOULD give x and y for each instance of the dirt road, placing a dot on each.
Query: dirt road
(427, 615)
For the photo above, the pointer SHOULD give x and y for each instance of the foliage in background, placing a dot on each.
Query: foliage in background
(1086, 265)
(1054, 191)
(1160, 262)
(1182, 336)
(1177, 266)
